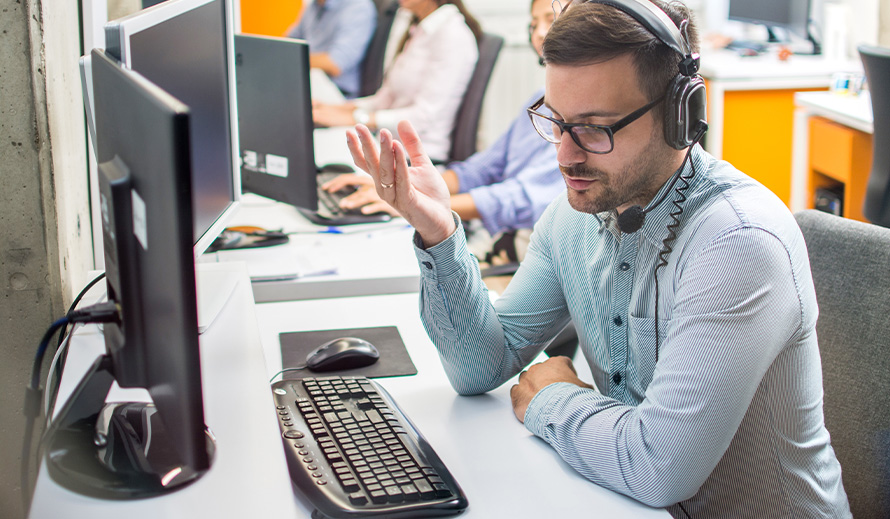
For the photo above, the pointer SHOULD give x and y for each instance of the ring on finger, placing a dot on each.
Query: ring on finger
(386, 186)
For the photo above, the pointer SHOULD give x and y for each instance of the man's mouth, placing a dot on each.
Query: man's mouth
(579, 184)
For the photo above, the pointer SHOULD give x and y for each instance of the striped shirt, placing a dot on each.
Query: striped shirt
(729, 421)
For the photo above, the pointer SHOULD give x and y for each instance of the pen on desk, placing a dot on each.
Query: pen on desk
(331, 230)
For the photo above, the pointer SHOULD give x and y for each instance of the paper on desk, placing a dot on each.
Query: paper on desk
(282, 263)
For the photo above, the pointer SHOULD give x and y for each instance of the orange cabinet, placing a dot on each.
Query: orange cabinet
(840, 161)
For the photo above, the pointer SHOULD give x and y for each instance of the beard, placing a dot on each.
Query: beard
(636, 183)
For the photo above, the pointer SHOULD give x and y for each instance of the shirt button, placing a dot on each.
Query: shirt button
(616, 378)
(428, 265)
(624, 266)
(617, 320)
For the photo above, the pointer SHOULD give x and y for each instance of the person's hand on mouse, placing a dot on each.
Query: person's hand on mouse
(365, 196)
(417, 192)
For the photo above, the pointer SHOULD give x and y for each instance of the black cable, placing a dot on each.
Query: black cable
(76, 301)
(32, 408)
(666, 244)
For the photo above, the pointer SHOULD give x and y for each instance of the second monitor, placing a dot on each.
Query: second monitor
(276, 128)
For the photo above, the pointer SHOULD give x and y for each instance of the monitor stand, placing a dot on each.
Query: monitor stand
(116, 450)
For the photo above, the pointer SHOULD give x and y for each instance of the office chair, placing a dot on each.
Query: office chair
(876, 62)
(849, 261)
(372, 65)
(466, 125)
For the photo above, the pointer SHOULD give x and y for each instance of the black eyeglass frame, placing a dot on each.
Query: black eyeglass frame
(564, 127)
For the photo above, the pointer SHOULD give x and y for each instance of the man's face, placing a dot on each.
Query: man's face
(640, 162)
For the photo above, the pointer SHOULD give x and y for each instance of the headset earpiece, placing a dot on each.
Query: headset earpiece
(684, 107)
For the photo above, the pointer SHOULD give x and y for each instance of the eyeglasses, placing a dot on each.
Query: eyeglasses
(592, 138)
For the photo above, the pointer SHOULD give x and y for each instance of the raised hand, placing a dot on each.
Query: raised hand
(417, 192)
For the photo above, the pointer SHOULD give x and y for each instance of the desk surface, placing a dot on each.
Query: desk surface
(493, 457)
(729, 66)
(852, 111)
(249, 476)
(367, 259)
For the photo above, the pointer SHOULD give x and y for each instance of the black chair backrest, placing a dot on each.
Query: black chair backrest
(466, 126)
(372, 66)
(849, 262)
(876, 62)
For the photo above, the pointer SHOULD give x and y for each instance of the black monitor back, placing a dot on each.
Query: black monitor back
(275, 119)
(145, 184)
(876, 62)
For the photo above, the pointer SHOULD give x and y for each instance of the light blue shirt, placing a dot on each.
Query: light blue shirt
(729, 420)
(513, 181)
(342, 29)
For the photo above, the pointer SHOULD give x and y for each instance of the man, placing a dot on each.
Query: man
(507, 186)
(338, 33)
(709, 398)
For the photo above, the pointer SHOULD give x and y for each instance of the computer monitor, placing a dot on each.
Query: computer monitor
(186, 47)
(793, 15)
(275, 119)
(133, 449)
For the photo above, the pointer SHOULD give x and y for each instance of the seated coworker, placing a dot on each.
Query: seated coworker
(427, 79)
(338, 33)
(698, 321)
(507, 186)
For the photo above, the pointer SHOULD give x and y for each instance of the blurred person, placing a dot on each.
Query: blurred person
(427, 79)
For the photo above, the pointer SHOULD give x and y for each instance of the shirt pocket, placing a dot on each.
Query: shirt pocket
(641, 352)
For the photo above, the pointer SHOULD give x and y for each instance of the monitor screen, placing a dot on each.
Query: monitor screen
(133, 449)
(793, 15)
(186, 47)
(275, 119)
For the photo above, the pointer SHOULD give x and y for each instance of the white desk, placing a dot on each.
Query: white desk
(505, 471)
(851, 111)
(249, 475)
(368, 258)
(727, 71)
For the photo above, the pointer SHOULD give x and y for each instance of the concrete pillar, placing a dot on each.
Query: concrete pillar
(45, 245)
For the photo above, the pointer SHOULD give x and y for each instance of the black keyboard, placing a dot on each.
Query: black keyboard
(353, 453)
(329, 211)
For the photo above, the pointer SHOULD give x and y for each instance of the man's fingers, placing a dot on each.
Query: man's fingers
(413, 146)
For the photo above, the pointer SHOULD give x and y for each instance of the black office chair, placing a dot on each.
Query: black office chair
(849, 262)
(466, 126)
(876, 62)
(372, 65)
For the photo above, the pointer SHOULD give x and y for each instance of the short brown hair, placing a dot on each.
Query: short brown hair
(588, 33)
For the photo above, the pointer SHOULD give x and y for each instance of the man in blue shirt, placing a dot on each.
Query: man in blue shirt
(697, 318)
(506, 186)
(338, 33)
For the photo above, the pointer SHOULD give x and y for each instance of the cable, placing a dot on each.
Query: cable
(77, 300)
(298, 368)
(672, 227)
(49, 397)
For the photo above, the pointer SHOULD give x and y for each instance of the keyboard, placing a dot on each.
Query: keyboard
(329, 211)
(352, 453)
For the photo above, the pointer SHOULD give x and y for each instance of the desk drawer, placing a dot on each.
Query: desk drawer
(831, 149)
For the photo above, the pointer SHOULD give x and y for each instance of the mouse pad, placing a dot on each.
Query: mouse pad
(394, 359)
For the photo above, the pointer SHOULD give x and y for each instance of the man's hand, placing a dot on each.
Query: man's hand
(539, 376)
(418, 192)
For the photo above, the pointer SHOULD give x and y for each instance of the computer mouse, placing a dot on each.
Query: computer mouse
(342, 353)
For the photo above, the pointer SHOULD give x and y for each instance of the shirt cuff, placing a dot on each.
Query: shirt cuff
(443, 259)
(537, 415)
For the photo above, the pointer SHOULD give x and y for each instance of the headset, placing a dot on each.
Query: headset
(685, 101)
(685, 120)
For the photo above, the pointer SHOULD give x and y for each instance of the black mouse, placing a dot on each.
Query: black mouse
(342, 353)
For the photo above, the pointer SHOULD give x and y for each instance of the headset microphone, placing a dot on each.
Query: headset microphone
(632, 219)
